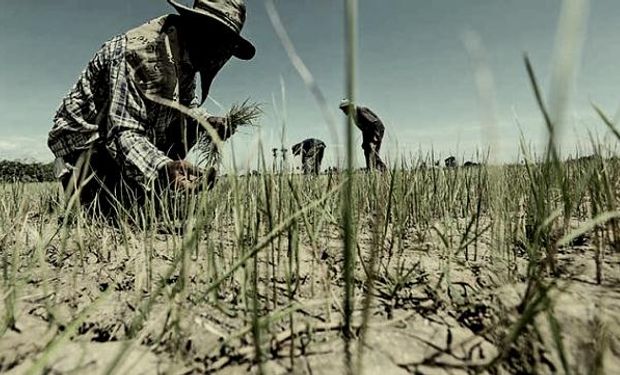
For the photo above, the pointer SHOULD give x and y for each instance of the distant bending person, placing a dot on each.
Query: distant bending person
(113, 136)
(311, 151)
(372, 133)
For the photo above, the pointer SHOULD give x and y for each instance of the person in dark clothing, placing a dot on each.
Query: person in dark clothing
(311, 151)
(113, 138)
(372, 133)
(450, 162)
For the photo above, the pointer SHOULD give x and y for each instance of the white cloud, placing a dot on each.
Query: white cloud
(25, 148)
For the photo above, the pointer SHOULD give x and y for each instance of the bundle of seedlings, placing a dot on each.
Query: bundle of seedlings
(208, 146)
(239, 116)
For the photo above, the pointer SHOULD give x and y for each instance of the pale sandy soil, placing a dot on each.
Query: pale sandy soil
(422, 328)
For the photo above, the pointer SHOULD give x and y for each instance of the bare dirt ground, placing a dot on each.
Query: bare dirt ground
(447, 316)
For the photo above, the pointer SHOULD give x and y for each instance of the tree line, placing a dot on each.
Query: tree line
(11, 171)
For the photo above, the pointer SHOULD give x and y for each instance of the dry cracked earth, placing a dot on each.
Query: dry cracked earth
(77, 310)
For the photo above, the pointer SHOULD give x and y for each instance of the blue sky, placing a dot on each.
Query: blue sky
(414, 70)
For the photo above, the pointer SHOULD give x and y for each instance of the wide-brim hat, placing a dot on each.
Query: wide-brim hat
(345, 103)
(229, 13)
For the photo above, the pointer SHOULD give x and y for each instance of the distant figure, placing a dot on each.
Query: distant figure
(450, 162)
(372, 133)
(311, 151)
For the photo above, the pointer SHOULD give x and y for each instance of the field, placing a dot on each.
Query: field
(488, 269)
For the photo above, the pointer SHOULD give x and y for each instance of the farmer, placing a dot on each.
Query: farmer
(372, 133)
(311, 151)
(114, 136)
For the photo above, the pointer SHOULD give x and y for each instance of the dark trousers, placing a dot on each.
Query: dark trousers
(372, 137)
(371, 154)
(98, 181)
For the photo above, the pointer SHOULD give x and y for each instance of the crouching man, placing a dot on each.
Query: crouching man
(113, 138)
(311, 151)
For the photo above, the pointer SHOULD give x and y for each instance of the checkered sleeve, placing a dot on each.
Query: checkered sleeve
(76, 121)
(130, 138)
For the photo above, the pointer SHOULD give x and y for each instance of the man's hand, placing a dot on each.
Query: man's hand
(221, 126)
(181, 175)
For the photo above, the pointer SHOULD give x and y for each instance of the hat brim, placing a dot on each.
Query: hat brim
(245, 50)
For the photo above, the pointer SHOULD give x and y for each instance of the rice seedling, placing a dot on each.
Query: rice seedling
(245, 114)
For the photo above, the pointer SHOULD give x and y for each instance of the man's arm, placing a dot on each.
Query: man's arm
(296, 149)
(130, 144)
(128, 139)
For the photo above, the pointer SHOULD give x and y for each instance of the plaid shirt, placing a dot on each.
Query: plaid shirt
(108, 105)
